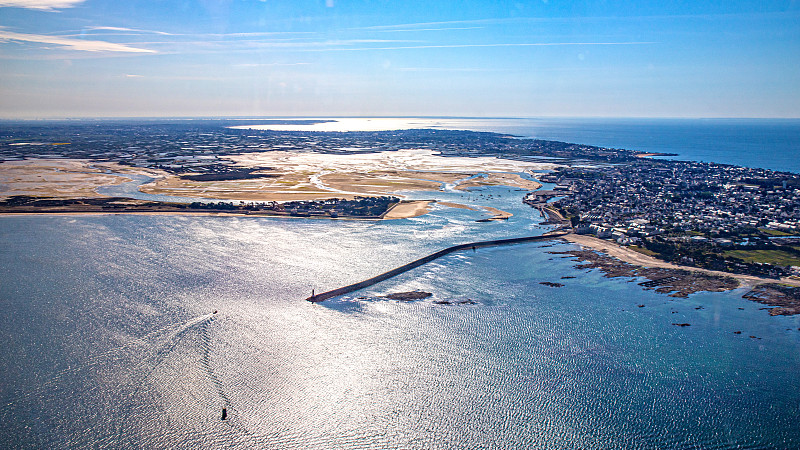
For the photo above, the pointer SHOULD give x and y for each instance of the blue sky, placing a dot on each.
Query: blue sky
(78, 58)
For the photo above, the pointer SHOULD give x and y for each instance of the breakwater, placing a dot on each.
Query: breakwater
(426, 259)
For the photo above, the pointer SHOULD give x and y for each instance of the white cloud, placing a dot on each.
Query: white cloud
(72, 44)
(407, 30)
(521, 44)
(46, 5)
(133, 30)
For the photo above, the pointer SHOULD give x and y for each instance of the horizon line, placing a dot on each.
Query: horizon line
(290, 117)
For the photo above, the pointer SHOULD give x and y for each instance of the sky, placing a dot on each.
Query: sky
(543, 58)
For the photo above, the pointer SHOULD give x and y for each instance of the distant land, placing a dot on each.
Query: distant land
(718, 218)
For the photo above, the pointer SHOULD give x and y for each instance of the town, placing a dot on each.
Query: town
(714, 216)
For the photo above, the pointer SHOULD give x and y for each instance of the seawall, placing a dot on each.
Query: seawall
(426, 259)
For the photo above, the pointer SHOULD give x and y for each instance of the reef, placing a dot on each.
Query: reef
(409, 296)
(786, 299)
(675, 282)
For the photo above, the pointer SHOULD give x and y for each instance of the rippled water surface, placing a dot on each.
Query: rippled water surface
(110, 340)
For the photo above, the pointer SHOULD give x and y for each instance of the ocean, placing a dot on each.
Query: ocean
(111, 339)
(762, 143)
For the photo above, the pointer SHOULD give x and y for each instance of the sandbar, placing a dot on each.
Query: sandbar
(498, 214)
(456, 205)
(405, 210)
(496, 179)
(54, 178)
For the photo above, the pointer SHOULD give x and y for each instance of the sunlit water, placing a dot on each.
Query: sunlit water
(110, 341)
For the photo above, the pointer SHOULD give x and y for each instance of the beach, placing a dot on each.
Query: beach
(408, 209)
(639, 259)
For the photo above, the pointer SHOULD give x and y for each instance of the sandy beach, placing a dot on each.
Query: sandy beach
(504, 179)
(409, 209)
(632, 257)
(498, 214)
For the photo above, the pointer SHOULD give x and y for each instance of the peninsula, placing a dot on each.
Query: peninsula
(723, 219)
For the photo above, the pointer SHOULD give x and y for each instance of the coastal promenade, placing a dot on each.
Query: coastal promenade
(426, 259)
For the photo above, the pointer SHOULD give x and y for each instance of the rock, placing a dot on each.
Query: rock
(408, 296)
(682, 324)
(737, 332)
(551, 284)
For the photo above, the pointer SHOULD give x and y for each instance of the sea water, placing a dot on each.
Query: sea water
(761, 143)
(110, 340)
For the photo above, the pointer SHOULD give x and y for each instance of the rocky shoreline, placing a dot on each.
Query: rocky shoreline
(786, 299)
(674, 282)
(681, 283)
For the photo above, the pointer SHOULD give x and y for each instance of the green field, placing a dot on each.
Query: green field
(776, 232)
(643, 251)
(776, 257)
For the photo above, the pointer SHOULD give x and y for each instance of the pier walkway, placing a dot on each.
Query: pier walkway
(426, 259)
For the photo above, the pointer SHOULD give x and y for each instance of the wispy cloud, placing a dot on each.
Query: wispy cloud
(446, 69)
(615, 18)
(131, 30)
(521, 44)
(45, 5)
(72, 44)
(432, 25)
(411, 30)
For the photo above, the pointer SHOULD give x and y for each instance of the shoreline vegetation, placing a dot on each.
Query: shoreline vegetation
(362, 208)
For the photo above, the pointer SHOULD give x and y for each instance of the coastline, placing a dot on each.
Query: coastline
(408, 209)
(639, 259)
(402, 210)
